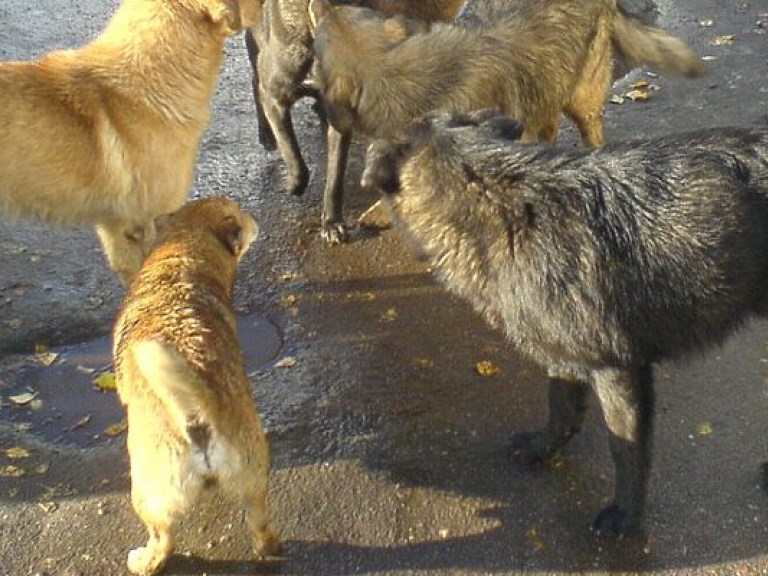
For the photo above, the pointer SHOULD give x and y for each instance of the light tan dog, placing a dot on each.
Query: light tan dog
(108, 134)
(192, 421)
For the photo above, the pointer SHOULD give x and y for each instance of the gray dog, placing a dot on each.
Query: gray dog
(597, 264)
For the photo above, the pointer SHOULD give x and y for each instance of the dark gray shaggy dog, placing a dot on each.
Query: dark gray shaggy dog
(597, 264)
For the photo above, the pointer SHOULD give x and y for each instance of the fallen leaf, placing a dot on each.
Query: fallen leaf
(534, 537)
(640, 84)
(389, 316)
(616, 99)
(424, 362)
(48, 506)
(116, 429)
(80, 423)
(286, 362)
(17, 452)
(704, 429)
(22, 399)
(11, 471)
(638, 95)
(723, 40)
(487, 368)
(41, 468)
(105, 381)
(46, 358)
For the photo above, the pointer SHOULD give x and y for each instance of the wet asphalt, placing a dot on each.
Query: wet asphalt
(388, 445)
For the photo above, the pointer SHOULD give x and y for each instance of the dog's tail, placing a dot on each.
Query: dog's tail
(641, 44)
(179, 388)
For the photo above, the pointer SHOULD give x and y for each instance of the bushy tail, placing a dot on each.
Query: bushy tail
(185, 396)
(640, 44)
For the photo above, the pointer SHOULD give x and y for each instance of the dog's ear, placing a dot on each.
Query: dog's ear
(162, 222)
(229, 232)
(319, 9)
(224, 13)
(236, 234)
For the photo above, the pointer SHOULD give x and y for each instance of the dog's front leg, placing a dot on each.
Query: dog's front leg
(266, 136)
(626, 398)
(333, 229)
(277, 96)
(567, 406)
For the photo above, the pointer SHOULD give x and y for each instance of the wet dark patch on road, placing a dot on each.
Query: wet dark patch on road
(59, 397)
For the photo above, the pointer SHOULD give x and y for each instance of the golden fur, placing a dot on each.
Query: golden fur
(107, 134)
(192, 421)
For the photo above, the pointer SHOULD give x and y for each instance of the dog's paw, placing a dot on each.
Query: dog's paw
(334, 233)
(614, 521)
(530, 449)
(267, 545)
(145, 562)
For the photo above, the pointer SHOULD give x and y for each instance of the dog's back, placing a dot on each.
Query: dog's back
(640, 251)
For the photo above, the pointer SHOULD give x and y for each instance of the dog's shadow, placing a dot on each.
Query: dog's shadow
(494, 550)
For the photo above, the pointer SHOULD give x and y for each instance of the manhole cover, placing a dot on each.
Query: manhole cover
(64, 405)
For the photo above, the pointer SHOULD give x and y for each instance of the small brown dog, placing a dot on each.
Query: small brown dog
(107, 135)
(192, 421)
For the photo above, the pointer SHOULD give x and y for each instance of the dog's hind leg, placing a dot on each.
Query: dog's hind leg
(333, 229)
(265, 541)
(626, 398)
(587, 101)
(160, 494)
(266, 136)
(567, 406)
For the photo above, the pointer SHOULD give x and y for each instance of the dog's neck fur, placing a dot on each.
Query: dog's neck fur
(177, 57)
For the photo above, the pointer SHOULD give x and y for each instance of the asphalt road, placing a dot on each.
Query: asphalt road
(388, 446)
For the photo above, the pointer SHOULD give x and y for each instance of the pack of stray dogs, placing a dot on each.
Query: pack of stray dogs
(596, 263)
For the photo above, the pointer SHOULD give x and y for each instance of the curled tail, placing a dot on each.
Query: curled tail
(182, 392)
(640, 44)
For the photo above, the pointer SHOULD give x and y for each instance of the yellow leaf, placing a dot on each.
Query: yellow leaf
(17, 452)
(10, 471)
(723, 40)
(22, 399)
(46, 358)
(487, 368)
(41, 348)
(105, 381)
(116, 429)
(704, 429)
(640, 84)
(389, 316)
(638, 95)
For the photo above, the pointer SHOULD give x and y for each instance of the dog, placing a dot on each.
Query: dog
(596, 264)
(180, 373)
(531, 59)
(280, 51)
(107, 134)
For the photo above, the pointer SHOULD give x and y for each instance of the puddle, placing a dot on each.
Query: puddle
(69, 409)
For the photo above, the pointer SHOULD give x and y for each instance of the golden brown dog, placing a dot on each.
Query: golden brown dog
(192, 421)
(107, 134)
(531, 59)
